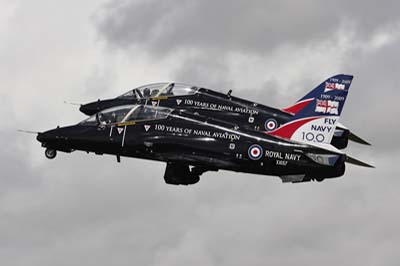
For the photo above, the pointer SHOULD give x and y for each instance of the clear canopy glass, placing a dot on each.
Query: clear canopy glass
(147, 112)
(127, 113)
(159, 89)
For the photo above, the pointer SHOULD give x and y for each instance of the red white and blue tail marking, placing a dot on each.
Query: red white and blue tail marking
(317, 114)
(297, 107)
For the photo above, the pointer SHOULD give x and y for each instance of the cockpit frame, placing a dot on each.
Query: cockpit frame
(157, 90)
(128, 114)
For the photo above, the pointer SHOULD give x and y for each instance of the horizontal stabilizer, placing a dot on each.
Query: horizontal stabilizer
(357, 139)
(357, 162)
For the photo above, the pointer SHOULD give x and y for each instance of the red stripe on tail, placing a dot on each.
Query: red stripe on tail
(297, 107)
(287, 130)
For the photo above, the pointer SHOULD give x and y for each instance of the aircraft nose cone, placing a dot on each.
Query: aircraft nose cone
(40, 137)
(88, 109)
(58, 138)
(46, 137)
(99, 105)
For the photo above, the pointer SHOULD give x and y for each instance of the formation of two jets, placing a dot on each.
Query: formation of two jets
(195, 130)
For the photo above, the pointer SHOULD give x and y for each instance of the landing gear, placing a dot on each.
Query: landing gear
(50, 153)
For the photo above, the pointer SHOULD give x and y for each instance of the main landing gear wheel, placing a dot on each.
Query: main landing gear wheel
(50, 153)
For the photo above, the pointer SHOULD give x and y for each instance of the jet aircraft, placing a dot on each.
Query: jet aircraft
(191, 143)
(223, 106)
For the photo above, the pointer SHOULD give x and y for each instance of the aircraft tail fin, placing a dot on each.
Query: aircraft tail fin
(316, 122)
(304, 101)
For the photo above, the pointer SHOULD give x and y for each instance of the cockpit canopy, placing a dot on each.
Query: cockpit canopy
(159, 89)
(127, 113)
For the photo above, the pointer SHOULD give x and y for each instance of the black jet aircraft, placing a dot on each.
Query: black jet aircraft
(191, 143)
(222, 106)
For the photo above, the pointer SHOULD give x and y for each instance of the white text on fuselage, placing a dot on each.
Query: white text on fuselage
(197, 132)
(282, 156)
(221, 107)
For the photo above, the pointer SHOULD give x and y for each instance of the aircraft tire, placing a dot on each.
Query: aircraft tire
(50, 153)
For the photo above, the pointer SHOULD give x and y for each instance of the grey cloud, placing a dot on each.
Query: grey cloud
(269, 93)
(246, 26)
(199, 70)
(88, 214)
(15, 172)
(215, 29)
(372, 105)
(87, 209)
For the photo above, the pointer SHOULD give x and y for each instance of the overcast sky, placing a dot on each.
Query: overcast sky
(84, 209)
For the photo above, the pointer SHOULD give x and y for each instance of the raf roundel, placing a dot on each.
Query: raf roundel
(271, 124)
(255, 152)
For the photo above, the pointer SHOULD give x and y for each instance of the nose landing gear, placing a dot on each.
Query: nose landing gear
(50, 153)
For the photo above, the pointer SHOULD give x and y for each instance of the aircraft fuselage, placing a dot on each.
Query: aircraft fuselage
(184, 139)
